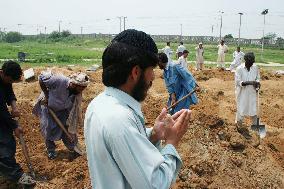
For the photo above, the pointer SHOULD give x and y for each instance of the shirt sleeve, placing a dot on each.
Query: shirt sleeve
(10, 95)
(238, 76)
(168, 81)
(142, 164)
(49, 80)
(258, 75)
(191, 83)
(5, 114)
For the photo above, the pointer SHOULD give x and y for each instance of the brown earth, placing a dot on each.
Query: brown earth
(214, 154)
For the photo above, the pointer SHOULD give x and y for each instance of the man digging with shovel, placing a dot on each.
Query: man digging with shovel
(9, 168)
(247, 84)
(59, 109)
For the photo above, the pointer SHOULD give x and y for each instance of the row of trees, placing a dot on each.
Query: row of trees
(12, 37)
(268, 37)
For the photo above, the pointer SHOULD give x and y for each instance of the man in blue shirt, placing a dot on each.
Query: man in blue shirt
(179, 82)
(122, 153)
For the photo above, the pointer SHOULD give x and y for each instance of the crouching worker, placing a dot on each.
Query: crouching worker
(179, 83)
(63, 95)
(10, 73)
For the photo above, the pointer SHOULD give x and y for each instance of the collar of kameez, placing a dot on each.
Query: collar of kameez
(125, 98)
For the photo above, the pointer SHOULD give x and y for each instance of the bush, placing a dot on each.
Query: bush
(12, 37)
(65, 33)
(63, 58)
(228, 36)
(55, 35)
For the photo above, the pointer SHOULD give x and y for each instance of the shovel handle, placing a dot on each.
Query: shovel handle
(183, 98)
(59, 123)
(26, 154)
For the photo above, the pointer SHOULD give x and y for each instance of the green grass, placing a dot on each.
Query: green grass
(76, 50)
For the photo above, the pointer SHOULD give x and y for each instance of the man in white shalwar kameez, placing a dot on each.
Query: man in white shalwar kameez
(168, 51)
(182, 60)
(222, 50)
(247, 83)
(180, 49)
(238, 56)
(199, 57)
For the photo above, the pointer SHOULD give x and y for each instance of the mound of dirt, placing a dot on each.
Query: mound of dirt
(214, 154)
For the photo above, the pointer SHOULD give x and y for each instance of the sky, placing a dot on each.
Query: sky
(164, 17)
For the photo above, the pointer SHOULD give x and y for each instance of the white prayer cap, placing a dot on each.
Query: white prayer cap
(80, 79)
(200, 43)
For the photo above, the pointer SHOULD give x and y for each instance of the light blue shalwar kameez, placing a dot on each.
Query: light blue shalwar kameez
(120, 154)
(181, 82)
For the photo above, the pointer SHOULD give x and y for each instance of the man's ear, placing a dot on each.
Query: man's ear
(135, 73)
(71, 85)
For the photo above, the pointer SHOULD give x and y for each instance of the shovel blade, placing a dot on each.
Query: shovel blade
(79, 149)
(260, 129)
(254, 127)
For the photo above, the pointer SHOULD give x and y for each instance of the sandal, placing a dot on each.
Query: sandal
(26, 180)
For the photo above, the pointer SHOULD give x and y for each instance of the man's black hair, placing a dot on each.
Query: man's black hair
(163, 58)
(168, 43)
(249, 57)
(12, 69)
(185, 51)
(128, 49)
(181, 43)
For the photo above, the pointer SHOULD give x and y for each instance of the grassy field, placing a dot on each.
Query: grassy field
(210, 53)
(89, 51)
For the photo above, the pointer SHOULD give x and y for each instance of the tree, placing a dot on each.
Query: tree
(55, 35)
(12, 37)
(228, 36)
(65, 33)
(280, 42)
(270, 36)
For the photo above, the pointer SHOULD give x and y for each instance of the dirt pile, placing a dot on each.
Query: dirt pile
(214, 154)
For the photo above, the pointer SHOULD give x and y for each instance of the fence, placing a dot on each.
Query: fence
(190, 39)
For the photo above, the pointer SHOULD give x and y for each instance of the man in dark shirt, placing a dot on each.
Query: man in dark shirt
(10, 73)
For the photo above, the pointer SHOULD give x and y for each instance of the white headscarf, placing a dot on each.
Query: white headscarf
(80, 79)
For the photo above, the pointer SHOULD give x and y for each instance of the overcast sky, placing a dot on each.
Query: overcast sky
(152, 16)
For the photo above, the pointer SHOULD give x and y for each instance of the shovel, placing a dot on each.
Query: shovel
(77, 148)
(27, 157)
(183, 98)
(258, 127)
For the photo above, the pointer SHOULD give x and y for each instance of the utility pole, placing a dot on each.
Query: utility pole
(180, 32)
(124, 17)
(45, 33)
(212, 29)
(108, 27)
(19, 27)
(37, 29)
(221, 25)
(119, 17)
(81, 32)
(240, 13)
(59, 25)
(263, 13)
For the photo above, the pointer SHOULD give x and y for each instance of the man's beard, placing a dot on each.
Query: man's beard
(139, 91)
